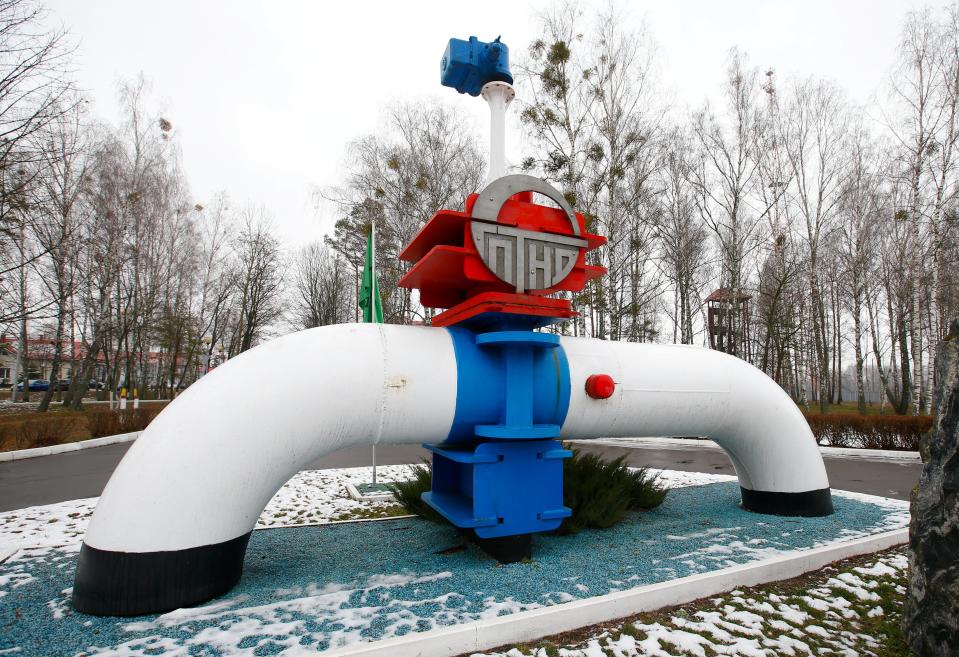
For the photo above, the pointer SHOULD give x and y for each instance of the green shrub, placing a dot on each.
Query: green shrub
(601, 493)
(408, 493)
(900, 432)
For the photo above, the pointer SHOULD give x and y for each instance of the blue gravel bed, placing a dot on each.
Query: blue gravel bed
(312, 588)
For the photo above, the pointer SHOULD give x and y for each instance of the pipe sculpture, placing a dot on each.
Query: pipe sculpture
(172, 525)
(487, 393)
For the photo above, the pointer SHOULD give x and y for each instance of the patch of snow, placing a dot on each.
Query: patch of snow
(680, 479)
(716, 531)
(878, 569)
(792, 614)
(311, 497)
(857, 590)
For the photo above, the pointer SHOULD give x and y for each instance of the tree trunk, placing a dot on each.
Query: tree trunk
(55, 366)
(930, 622)
(857, 336)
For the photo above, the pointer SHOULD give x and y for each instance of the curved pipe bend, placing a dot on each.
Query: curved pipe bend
(171, 527)
(682, 390)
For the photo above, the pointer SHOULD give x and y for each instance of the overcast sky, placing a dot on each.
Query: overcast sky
(265, 96)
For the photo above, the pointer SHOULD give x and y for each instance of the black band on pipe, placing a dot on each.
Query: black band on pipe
(810, 503)
(133, 583)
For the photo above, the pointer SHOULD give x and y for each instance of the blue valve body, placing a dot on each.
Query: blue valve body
(500, 470)
(468, 65)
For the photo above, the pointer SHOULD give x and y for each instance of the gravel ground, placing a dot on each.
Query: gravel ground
(315, 587)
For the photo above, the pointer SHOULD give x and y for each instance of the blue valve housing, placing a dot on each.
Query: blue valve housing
(468, 65)
(500, 471)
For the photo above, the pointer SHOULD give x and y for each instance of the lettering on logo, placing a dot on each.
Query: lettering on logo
(527, 259)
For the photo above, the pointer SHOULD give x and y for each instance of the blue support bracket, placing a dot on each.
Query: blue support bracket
(500, 488)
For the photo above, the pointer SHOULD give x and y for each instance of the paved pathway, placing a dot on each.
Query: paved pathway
(84, 473)
(886, 478)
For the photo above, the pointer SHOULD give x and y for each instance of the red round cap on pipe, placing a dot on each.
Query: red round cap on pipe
(600, 386)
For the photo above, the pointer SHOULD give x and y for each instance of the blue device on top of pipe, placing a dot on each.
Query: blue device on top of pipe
(468, 65)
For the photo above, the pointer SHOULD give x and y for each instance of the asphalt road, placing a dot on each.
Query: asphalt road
(887, 478)
(84, 473)
(73, 475)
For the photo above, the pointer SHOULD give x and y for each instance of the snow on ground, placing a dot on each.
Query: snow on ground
(898, 516)
(380, 580)
(312, 497)
(849, 613)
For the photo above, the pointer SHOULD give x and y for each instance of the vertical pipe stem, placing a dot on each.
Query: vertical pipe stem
(498, 95)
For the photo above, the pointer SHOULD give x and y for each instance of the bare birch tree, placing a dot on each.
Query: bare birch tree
(724, 176)
(321, 288)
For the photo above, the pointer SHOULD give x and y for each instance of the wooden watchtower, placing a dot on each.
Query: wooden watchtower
(723, 316)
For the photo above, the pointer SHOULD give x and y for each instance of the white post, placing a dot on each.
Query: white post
(499, 95)
(207, 342)
(14, 375)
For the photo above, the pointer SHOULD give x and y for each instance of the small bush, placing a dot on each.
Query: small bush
(23, 431)
(408, 493)
(104, 422)
(896, 432)
(26, 430)
(601, 493)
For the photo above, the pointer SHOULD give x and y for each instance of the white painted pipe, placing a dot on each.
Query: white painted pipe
(682, 390)
(187, 495)
(209, 463)
(499, 95)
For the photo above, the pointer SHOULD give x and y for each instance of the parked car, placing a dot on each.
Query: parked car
(64, 384)
(35, 385)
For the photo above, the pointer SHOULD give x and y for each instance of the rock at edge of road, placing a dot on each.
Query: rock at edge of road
(931, 613)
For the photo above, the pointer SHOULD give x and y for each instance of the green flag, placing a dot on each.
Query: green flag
(370, 289)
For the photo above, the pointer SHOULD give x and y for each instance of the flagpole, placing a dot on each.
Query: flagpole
(373, 240)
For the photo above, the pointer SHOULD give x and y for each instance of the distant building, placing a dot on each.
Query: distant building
(719, 315)
(40, 359)
(155, 365)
